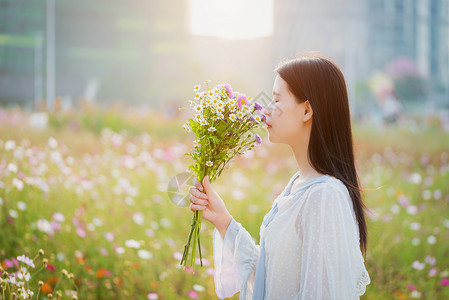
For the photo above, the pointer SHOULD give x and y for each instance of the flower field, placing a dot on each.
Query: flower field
(90, 190)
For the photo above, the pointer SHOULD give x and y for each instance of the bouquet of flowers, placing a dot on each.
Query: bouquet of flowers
(222, 121)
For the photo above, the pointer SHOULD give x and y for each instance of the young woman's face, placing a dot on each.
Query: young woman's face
(285, 116)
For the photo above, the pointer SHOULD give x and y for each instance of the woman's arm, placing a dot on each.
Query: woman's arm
(235, 260)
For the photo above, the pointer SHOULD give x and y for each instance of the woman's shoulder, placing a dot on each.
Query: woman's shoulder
(332, 186)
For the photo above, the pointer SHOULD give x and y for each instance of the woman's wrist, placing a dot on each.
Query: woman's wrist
(223, 223)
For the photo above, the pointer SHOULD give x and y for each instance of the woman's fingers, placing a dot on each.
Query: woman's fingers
(194, 192)
(198, 201)
(194, 207)
(197, 184)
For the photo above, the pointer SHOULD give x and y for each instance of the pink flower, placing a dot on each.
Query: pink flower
(189, 269)
(81, 232)
(445, 281)
(229, 90)
(403, 201)
(242, 100)
(192, 294)
(411, 287)
(8, 263)
(177, 255)
(432, 272)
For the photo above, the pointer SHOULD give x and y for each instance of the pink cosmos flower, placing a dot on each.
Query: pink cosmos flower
(411, 287)
(192, 294)
(81, 232)
(8, 263)
(445, 282)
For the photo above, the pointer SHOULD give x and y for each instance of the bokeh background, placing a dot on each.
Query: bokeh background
(91, 134)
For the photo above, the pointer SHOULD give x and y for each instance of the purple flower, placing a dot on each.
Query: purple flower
(445, 281)
(264, 117)
(257, 106)
(258, 139)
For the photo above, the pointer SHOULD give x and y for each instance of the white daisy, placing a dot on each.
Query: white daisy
(196, 88)
(198, 109)
(186, 127)
(212, 129)
(203, 122)
(209, 163)
(240, 115)
(220, 117)
(232, 117)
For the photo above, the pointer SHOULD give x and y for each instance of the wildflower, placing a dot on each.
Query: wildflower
(240, 115)
(232, 117)
(144, 254)
(12, 168)
(41, 252)
(231, 102)
(187, 127)
(203, 122)
(17, 183)
(132, 244)
(10, 145)
(198, 109)
(210, 93)
(242, 100)
(198, 288)
(228, 90)
(431, 239)
(416, 294)
(26, 260)
(220, 116)
(418, 265)
(198, 117)
(258, 118)
(211, 129)
(445, 282)
(258, 139)
(192, 294)
(197, 96)
(152, 296)
(196, 88)
(209, 163)
(257, 106)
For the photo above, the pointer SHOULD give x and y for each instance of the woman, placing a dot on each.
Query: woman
(313, 238)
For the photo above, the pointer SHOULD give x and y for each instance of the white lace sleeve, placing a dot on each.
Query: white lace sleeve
(331, 262)
(235, 259)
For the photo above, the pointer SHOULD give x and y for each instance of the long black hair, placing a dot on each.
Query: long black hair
(321, 82)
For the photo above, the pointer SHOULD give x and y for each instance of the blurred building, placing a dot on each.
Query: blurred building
(127, 49)
(363, 36)
(145, 51)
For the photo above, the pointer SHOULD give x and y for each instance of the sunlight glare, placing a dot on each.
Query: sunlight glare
(231, 19)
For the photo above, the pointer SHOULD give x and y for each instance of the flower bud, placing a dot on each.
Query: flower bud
(41, 252)
(41, 283)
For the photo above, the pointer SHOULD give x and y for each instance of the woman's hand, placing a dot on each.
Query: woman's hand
(213, 207)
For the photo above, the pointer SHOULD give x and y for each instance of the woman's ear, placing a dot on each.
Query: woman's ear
(308, 111)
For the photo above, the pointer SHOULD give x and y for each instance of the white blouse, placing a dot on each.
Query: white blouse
(311, 248)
